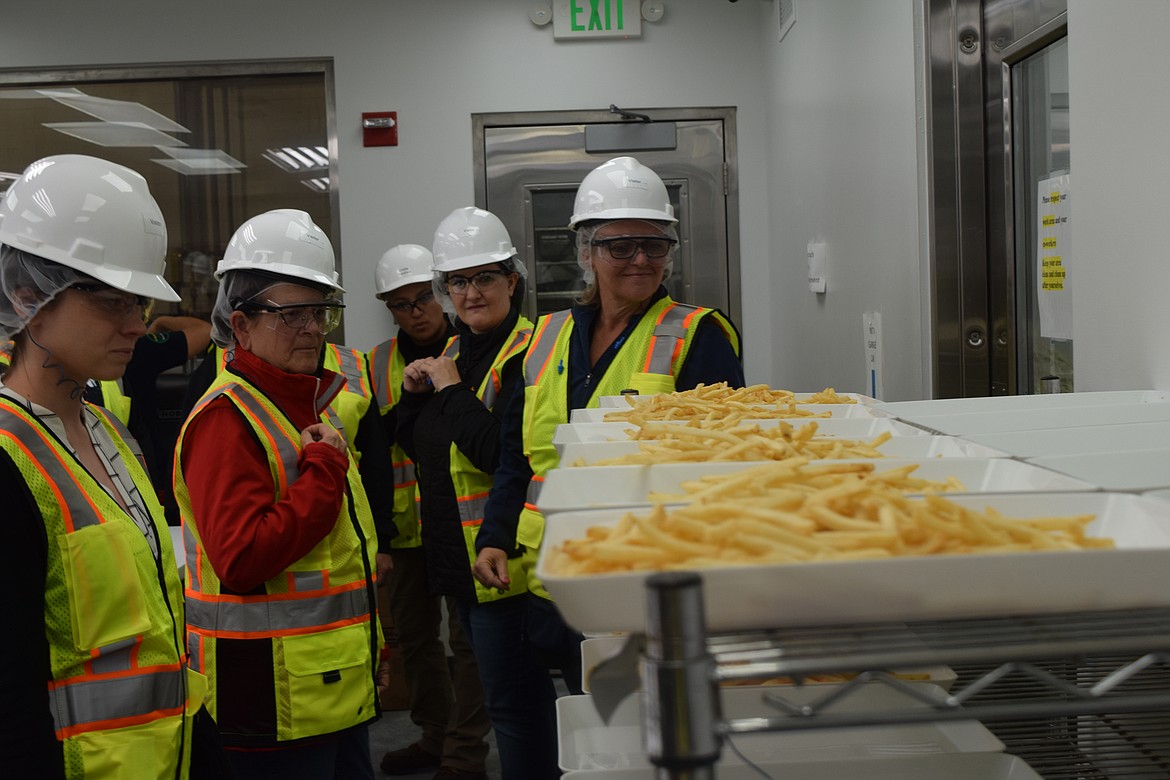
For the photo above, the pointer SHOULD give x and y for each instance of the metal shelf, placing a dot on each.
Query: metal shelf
(1082, 695)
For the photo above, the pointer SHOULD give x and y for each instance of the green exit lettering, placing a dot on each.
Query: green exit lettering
(597, 10)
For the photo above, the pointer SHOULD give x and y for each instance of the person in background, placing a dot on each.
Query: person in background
(93, 679)
(281, 607)
(447, 424)
(169, 341)
(445, 702)
(626, 333)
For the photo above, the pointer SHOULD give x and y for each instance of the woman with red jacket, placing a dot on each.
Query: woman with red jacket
(281, 610)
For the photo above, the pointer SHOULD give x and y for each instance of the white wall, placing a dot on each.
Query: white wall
(1119, 123)
(436, 62)
(843, 171)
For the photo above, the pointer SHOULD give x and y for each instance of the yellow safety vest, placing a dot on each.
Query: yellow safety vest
(354, 400)
(320, 614)
(471, 484)
(121, 695)
(648, 362)
(386, 368)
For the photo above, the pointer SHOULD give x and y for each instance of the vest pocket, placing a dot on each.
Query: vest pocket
(330, 682)
(652, 384)
(106, 595)
(149, 750)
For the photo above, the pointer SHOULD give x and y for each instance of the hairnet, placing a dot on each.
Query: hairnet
(585, 235)
(29, 282)
(244, 285)
(512, 264)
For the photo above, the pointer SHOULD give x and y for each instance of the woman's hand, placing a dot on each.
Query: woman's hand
(323, 433)
(428, 374)
(491, 568)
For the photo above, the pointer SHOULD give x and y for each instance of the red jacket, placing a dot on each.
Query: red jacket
(250, 538)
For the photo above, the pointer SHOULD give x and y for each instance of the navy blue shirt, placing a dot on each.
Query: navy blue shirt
(711, 359)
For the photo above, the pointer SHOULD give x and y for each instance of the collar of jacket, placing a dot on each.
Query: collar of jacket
(303, 397)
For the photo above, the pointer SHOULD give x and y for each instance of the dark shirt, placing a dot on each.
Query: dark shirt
(412, 351)
(710, 360)
(428, 424)
(27, 742)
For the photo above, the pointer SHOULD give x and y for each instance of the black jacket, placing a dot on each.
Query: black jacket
(428, 423)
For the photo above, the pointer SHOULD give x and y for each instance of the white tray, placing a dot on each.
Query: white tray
(1004, 403)
(897, 447)
(950, 766)
(855, 428)
(1060, 441)
(835, 411)
(917, 588)
(596, 649)
(617, 486)
(1133, 470)
(620, 402)
(586, 742)
(1041, 419)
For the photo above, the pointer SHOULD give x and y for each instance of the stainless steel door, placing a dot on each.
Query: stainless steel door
(529, 166)
(985, 140)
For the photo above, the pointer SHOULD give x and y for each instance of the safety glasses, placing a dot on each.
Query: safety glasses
(115, 304)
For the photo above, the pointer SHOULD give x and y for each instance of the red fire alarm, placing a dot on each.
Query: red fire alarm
(380, 128)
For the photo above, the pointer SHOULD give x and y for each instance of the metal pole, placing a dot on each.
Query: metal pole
(680, 693)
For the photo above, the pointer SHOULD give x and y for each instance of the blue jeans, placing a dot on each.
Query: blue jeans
(341, 756)
(516, 640)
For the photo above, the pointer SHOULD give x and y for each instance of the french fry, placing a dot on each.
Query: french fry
(795, 511)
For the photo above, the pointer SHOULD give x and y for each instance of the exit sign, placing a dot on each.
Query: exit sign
(597, 19)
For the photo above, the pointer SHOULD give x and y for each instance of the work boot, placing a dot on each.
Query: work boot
(409, 760)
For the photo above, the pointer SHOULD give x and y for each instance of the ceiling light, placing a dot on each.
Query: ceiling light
(115, 133)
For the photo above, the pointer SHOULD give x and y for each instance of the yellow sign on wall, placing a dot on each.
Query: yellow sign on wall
(597, 19)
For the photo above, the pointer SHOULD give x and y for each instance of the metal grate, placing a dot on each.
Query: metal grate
(1133, 746)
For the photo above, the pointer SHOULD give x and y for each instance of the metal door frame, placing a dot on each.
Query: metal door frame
(970, 46)
(725, 114)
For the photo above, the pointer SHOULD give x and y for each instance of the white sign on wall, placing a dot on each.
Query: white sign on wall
(597, 19)
(1054, 258)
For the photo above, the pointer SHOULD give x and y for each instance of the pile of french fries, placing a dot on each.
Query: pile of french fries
(793, 511)
(709, 402)
(731, 439)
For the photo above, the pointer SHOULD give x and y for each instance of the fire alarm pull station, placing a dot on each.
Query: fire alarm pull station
(380, 128)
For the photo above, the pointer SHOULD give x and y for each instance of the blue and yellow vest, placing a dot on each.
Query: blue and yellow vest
(648, 362)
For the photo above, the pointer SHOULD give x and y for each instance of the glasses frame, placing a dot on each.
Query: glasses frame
(406, 307)
(281, 310)
(121, 310)
(470, 281)
(640, 246)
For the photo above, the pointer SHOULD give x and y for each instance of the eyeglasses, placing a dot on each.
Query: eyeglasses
(656, 248)
(297, 316)
(406, 307)
(114, 303)
(483, 281)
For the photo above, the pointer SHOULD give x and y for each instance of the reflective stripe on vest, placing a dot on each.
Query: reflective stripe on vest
(117, 701)
(544, 342)
(381, 360)
(471, 508)
(669, 333)
(351, 366)
(404, 475)
(534, 487)
(239, 617)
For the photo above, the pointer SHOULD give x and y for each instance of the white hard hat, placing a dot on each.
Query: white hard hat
(283, 242)
(621, 188)
(91, 215)
(468, 237)
(402, 265)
